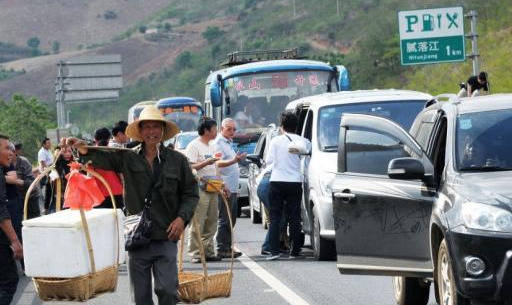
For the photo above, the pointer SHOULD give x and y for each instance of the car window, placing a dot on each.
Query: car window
(483, 141)
(369, 151)
(402, 112)
(308, 128)
(422, 133)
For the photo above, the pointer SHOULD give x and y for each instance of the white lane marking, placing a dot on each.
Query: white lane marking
(278, 286)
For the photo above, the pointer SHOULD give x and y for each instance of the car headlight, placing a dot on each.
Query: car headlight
(244, 171)
(485, 217)
(324, 184)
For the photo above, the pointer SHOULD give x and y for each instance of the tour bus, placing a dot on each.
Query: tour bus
(135, 110)
(184, 111)
(254, 87)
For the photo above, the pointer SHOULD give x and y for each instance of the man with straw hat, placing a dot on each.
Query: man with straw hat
(164, 177)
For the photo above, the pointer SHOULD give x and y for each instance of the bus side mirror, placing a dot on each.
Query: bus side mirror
(215, 93)
(343, 79)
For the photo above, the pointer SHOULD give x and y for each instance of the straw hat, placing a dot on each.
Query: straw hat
(151, 113)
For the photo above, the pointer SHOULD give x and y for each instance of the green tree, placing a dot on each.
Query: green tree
(26, 120)
(33, 42)
(184, 60)
(212, 33)
(143, 29)
(167, 27)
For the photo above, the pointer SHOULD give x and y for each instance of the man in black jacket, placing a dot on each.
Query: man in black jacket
(10, 246)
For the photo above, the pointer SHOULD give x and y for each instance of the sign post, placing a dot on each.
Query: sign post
(431, 36)
(86, 80)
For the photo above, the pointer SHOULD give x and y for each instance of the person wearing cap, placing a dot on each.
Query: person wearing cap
(173, 194)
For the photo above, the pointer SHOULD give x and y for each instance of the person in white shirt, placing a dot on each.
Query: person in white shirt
(228, 169)
(285, 186)
(45, 159)
(44, 156)
(200, 153)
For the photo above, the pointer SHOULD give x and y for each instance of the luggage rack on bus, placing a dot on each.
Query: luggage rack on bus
(243, 57)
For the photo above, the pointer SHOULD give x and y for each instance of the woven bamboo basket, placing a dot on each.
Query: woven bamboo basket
(84, 287)
(195, 287)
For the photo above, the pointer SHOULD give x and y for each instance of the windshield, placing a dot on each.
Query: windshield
(182, 140)
(186, 121)
(256, 100)
(402, 112)
(483, 141)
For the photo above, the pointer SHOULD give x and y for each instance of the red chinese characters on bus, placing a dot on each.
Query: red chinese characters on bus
(313, 80)
(239, 86)
(300, 80)
(254, 84)
(279, 81)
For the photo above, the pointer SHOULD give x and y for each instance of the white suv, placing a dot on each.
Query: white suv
(319, 121)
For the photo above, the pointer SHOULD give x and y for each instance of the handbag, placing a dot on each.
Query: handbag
(210, 184)
(137, 228)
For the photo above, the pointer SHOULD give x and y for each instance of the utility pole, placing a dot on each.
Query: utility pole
(337, 7)
(59, 89)
(294, 10)
(474, 45)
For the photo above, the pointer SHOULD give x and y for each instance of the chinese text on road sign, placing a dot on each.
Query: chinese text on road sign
(431, 35)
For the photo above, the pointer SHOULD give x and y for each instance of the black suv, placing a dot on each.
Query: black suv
(432, 205)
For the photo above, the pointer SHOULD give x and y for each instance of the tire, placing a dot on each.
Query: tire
(323, 249)
(447, 289)
(255, 216)
(410, 290)
(239, 210)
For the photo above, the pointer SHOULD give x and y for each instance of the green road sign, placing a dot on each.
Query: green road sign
(431, 36)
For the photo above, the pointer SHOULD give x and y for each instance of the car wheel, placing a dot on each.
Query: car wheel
(265, 219)
(411, 290)
(323, 249)
(447, 289)
(255, 216)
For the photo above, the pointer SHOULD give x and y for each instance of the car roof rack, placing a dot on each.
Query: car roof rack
(243, 57)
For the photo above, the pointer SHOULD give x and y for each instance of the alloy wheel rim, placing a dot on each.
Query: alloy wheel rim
(446, 284)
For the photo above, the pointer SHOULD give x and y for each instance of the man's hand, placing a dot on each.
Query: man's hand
(240, 156)
(75, 143)
(17, 249)
(175, 229)
(11, 177)
(211, 160)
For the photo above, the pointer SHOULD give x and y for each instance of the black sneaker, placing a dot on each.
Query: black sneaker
(228, 254)
(213, 258)
(297, 256)
(265, 252)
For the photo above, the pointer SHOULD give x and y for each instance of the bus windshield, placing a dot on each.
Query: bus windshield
(256, 100)
(186, 117)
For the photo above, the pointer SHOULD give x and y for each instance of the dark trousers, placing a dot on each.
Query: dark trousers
(285, 196)
(157, 259)
(8, 275)
(224, 231)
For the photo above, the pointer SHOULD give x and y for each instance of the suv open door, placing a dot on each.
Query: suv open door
(382, 199)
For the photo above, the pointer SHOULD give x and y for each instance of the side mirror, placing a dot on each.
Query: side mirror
(298, 149)
(254, 159)
(343, 79)
(216, 92)
(406, 169)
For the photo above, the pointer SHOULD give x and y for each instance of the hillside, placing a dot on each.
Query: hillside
(73, 23)
(361, 34)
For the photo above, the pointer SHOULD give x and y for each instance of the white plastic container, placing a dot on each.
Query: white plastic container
(54, 245)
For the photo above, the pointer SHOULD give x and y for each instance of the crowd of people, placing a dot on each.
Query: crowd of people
(177, 187)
